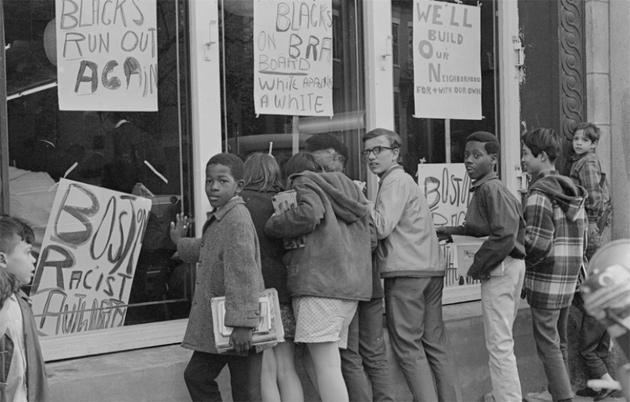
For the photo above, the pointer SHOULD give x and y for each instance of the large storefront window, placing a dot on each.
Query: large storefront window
(244, 132)
(426, 140)
(104, 149)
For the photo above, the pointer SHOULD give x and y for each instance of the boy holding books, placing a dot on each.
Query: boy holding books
(230, 266)
(554, 243)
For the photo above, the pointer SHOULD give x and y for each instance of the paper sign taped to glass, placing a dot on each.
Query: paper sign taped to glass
(269, 331)
(282, 202)
(460, 255)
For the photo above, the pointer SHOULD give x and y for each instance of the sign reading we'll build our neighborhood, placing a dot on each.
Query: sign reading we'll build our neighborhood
(447, 62)
(107, 55)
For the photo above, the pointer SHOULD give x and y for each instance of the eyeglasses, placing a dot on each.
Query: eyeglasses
(376, 150)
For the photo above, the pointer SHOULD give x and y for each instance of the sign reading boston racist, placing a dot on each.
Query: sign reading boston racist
(88, 259)
(447, 189)
(447, 61)
(107, 55)
(293, 53)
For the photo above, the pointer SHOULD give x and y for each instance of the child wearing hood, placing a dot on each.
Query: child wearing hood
(326, 277)
(554, 243)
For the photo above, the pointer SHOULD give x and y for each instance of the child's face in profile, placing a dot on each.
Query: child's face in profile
(531, 164)
(221, 186)
(19, 262)
(477, 160)
(582, 144)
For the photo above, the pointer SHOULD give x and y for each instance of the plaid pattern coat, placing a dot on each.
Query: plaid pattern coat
(554, 240)
(586, 171)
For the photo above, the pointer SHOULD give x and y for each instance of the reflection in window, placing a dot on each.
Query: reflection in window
(244, 132)
(425, 139)
(103, 149)
(395, 43)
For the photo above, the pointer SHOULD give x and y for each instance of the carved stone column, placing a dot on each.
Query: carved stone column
(572, 68)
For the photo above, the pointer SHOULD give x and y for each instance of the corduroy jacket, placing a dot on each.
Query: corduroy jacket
(408, 244)
(230, 266)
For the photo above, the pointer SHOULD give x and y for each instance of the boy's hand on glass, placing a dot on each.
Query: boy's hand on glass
(179, 228)
(241, 339)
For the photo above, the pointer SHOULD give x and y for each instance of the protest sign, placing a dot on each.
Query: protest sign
(107, 55)
(447, 61)
(293, 55)
(446, 187)
(88, 259)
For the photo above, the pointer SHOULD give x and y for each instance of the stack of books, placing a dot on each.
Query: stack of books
(269, 331)
(282, 202)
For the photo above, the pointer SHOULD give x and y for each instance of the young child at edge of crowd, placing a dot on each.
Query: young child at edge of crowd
(326, 276)
(280, 381)
(554, 244)
(22, 368)
(586, 171)
(407, 257)
(230, 266)
(499, 263)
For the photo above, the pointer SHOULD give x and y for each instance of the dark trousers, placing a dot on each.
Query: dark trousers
(550, 334)
(416, 332)
(364, 363)
(594, 342)
(203, 369)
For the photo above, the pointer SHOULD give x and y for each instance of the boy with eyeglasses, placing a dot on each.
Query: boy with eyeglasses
(407, 257)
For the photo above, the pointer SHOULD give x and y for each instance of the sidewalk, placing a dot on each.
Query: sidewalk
(156, 374)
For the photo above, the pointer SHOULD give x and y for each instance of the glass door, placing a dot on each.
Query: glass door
(140, 153)
(243, 132)
(440, 140)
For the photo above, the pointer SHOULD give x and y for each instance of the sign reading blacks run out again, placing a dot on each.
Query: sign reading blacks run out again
(293, 54)
(447, 62)
(107, 55)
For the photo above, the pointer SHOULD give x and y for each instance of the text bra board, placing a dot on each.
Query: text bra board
(293, 56)
(88, 259)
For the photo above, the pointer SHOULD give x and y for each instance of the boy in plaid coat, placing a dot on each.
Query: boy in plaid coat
(554, 243)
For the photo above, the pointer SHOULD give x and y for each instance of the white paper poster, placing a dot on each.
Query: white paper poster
(293, 56)
(447, 62)
(446, 187)
(88, 259)
(107, 55)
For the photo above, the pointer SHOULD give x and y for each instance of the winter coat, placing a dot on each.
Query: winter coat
(408, 244)
(333, 216)
(230, 267)
(271, 250)
(554, 240)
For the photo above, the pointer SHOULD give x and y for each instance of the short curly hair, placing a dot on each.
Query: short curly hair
(490, 141)
(236, 164)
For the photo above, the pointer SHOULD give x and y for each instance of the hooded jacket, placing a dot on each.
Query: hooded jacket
(554, 240)
(333, 215)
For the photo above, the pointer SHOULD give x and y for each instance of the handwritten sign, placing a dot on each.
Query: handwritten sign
(447, 189)
(293, 55)
(447, 62)
(107, 55)
(88, 259)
